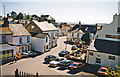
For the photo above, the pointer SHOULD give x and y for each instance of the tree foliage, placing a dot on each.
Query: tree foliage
(27, 17)
(19, 16)
(86, 38)
(112, 72)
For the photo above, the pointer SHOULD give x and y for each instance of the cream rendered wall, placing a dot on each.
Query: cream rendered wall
(105, 61)
(39, 43)
(15, 40)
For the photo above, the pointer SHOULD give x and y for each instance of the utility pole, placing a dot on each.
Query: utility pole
(4, 11)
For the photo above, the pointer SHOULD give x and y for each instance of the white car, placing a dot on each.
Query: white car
(56, 62)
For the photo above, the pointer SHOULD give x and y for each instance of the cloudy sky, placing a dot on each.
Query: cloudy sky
(90, 12)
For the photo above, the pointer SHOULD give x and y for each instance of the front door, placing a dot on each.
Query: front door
(98, 61)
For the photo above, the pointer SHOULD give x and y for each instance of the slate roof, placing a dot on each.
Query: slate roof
(5, 31)
(108, 46)
(105, 44)
(45, 26)
(91, 28)
(41, 35)
(18, 30)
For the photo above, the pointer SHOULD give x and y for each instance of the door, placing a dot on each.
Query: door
(98, 61)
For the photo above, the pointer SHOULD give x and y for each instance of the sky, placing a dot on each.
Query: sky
(96, 11)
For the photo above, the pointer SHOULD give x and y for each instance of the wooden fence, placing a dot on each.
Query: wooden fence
(24, 74)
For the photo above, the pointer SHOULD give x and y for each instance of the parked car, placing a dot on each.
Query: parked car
(73, 47)
(65, 63)
(49, 58)
(63, 53)
(75, 66)
(25, 54)
(102, 71)
(32, 53)
(56, 62)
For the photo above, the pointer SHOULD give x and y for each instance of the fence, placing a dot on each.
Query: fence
(24, 74)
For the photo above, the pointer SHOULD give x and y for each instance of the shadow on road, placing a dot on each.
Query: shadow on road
(88, 68)
(45, 63)
(52, 66)
(62, 69)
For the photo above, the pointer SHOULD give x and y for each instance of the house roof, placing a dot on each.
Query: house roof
(45, 26)
(91, 28)
(108, 46)
(5, 31)
(78, 30)
(6, 47)
(18, 30)
(41, 35)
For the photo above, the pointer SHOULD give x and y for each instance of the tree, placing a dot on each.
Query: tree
(8, 15)
(13, 14)
(112, 72)
(86, 38)
(27, 17)
(19, 16)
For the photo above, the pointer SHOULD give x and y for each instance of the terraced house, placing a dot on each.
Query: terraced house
(7, 51)
(105, 49)
(21, 38)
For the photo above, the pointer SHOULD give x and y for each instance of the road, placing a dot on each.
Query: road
(33, 65)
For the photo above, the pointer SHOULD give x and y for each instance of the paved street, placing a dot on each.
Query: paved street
(33, 65)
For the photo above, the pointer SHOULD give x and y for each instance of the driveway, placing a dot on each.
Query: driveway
(33, 65)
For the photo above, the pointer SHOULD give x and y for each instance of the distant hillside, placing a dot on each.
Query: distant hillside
(99, 24)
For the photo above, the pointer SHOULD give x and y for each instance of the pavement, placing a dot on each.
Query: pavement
(33, 65)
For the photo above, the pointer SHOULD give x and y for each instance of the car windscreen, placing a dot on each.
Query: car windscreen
(62, 51)
(103, 70)
(73, 65)
(56, 59)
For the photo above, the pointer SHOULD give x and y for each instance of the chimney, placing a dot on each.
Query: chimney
(6, 22)
(80, 25)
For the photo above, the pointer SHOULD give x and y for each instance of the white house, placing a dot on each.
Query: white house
(63, 29)
(36, 28)
(40, 42)
(105, 49)
(74, 35)
(21, 38)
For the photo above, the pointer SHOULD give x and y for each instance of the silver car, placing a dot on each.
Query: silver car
(56, 62)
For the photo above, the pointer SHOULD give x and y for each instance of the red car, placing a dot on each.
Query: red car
(103, 71)
(75, 66)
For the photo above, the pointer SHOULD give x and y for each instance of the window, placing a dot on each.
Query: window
(52, 34)
(112, 57)
(118, 29)
(77, 34)
(46, 39)
(47, 47)
(32, 27)
(22, 49)
(20, 40)
(8, 53)
(72, 34)
(91, 53)
(28, 39)
(113, 36)
(98, 60)
(3, 39)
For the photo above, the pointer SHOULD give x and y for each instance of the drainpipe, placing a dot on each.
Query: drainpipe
(87, 59)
